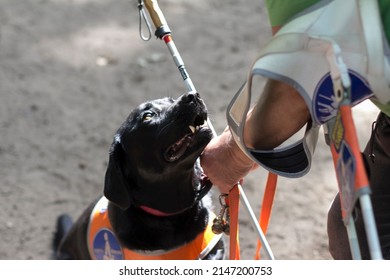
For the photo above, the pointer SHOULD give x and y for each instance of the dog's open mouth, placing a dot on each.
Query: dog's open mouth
(177, 150)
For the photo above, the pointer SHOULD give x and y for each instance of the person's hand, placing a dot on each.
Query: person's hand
(224, 163)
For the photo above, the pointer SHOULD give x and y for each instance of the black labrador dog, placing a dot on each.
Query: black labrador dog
(155, 204)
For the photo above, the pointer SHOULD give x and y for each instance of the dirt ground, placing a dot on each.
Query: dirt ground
(70, 72)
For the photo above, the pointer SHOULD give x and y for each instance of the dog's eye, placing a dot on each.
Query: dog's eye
(147, 116)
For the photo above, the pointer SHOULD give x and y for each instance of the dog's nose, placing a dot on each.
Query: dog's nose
(190, 97)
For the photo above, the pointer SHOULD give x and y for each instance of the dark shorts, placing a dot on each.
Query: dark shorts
(378, 170)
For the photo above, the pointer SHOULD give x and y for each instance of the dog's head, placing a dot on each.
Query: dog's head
(153, 158)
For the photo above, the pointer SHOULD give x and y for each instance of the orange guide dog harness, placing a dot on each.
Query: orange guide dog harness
(104, 245)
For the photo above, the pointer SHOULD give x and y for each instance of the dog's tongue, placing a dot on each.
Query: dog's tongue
(175, 151)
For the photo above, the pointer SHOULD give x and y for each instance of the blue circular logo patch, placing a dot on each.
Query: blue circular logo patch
(106, 246)
(324, 101)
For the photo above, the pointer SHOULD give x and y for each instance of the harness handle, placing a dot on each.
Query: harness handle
(266, 207)
(233, 199)
(233, 202)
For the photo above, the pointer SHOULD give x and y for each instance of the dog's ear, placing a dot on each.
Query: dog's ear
(116, 187)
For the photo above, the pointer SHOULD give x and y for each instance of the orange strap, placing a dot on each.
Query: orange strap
(233, 201)
(266, 207)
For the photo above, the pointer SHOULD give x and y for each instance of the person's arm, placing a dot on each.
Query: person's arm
(278, 115)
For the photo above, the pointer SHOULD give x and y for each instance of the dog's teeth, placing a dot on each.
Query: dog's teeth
(193, 129)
